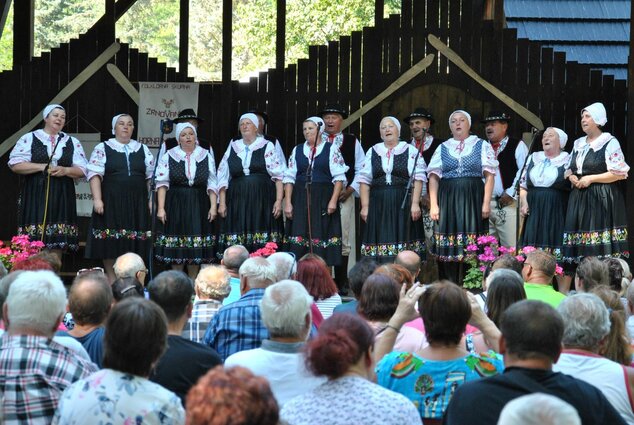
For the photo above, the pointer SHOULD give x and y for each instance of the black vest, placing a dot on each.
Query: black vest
(508, 165)
(347, 149)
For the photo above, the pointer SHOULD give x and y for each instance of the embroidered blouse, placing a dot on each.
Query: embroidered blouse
(97, 163)
(274, 165)
(459, 150)
(337, 165)
(191, 164)
(387, 163)
(22, 150)
(614, 159)
(545, 171)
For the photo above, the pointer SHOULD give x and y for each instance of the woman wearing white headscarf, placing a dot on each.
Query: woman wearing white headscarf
(461, 179)
(596, 222)
(49, 160)
(250, 190)
(382, 181)
(544, 194)
(118, 171)
(187, 203)
(322, 166)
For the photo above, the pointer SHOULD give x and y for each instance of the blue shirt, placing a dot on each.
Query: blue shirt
(350, 307)
(92, 342)
(234, 295)
(238, 326)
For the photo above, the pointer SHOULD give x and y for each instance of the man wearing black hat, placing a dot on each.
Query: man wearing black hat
(419, 123)
(511, 154)
(353, 155)
(187, 115)
(263, 119)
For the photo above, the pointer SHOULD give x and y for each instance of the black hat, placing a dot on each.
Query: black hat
(262, 114)
(188, 114)
(497, 116)
(334, 108)
(420, 113)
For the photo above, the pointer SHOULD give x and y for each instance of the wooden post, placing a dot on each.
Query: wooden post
(227, 33)
(183, 42)
(379, 9)
(280, 35)
(4, 12)
(23, 18)
(628, 143)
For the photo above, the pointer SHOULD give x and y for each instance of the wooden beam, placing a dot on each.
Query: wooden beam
(64, 94)
(121, 7)
(280, 35)
(123, 81)
(5, 5)
(183, 40)
(379, 10)
(23, 20)
(227, 43)
(629, 142)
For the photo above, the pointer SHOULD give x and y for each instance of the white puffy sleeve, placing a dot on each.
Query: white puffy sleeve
(79, 156)
(435, 165)
(338, 167)
(149, 162)
(212, 180)
(223, 170)
(291, 170)
(97, 163)
(614, 159)
(523, 183)
(163, 172)
(420, 172)
(21, 151)
(489, 163)
(274, 164)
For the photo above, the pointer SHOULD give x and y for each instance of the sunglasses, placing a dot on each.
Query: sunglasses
(91, 270)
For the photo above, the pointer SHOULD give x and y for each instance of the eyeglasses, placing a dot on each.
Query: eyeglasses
(128, 289)
(293, 268)
(91, 270)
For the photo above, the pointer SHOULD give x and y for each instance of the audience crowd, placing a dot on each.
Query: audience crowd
(271, 340)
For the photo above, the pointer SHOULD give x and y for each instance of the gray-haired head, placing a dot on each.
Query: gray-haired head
(128, 265)
(258, 272)
(234, 257)
(212, 282)
(551, 411)
(35, 303)
(586, 321)
(285, 309)
(285, 265)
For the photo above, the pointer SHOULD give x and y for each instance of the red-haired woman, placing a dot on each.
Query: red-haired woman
(315, 276)
(342, 351)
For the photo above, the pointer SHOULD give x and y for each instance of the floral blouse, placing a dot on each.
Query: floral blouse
(191, 164)
(338, 167)
(22, 150)
(460, 150)
(545, 171)
(274, 165)
(112, 397)
(614, 159)
(387, 162)
(97, 163)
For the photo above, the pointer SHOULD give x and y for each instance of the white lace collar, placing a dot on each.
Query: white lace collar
(383, 150)
(132, 145)
(178, 154)
(595, 145)
(559, 160)
(239, 145)
(45, 137)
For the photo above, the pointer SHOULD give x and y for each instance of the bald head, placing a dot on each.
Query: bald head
(410, 260)
(130, 265)
(234, 257)
(89, 299)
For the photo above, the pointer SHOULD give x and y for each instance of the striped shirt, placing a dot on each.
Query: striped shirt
(203, 312)
(237, 326)
(34, 371)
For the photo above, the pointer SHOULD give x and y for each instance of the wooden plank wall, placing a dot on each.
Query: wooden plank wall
(351, 70)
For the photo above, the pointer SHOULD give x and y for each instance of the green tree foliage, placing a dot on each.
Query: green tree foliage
(152, 26)
(6, 42)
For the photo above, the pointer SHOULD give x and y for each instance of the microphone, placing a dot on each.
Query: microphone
(167, 126)
(424, 129)
(319, 124)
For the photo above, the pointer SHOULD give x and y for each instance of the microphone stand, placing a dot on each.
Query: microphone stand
(48, 186)
(518, 228)
(309, 182)
(166, 127)
(410, 182)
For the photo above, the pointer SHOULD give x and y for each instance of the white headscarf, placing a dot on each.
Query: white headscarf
(597, 112)
(463, 112)
(50, 108)
(396, 122)
(182, 126)
(251, 117)
(318, 122)
(115, 119)
(563, 137)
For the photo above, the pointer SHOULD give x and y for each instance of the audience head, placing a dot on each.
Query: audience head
(212, 283)
(90, 299)
(130, 265)
(397, 272)
(617, 346)
(231, 396)
(627, 273)
(3, 273)
(51, 258)
(256, 272)
(285, 310)
(35, 304)
(586, 321)
(446, 310)
(506, 287)
(32, 264)
(234, 257)
(315, 277)
(141, 321)
(591, 272)
(173, 291)
(410, 260)
(539, 267)
(379, 298)
(552, 411)
(126, 287)
(5, 284)
(359, 273)
(344, 341)
(285, 265)
(630, 299)
(531, 330)
(310, 256)
(616, 278)
(506, 261)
